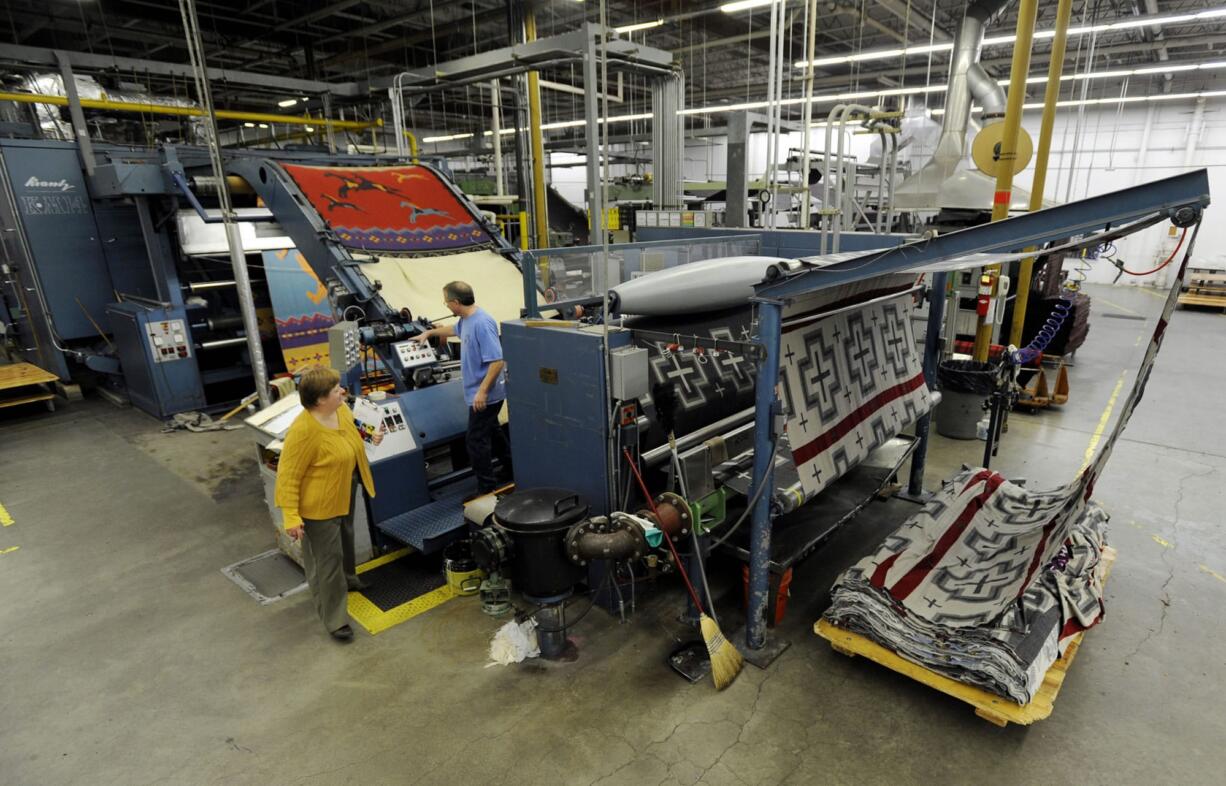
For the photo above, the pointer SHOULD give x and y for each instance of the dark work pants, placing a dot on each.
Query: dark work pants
(328, 559)
(484, 438)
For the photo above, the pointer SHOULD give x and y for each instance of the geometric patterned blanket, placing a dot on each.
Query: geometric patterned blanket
(393, 210)
(964, 566)
(852, 376)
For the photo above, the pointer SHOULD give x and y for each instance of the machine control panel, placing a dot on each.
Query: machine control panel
(168, 341)
(397, 435)
(344, 346)
(413, 354)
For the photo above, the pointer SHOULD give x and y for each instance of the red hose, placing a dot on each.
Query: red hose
(634, 468)
(1164, 264)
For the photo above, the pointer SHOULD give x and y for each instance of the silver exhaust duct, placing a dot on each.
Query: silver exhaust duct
(948, 180)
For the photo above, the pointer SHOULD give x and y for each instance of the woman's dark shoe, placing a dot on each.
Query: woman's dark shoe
(343, 633)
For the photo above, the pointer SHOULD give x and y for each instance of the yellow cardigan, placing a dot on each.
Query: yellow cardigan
(316, 467)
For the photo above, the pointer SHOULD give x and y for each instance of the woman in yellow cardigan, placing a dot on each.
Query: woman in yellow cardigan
(315, 484)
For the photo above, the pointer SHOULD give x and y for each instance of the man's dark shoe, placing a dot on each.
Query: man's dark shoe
(358, 584)
(343, 633)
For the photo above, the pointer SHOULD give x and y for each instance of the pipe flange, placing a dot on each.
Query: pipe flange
(604, 538)
(674, 518)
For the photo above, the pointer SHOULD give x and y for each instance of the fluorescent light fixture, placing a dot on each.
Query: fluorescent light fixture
(1149, 70)
(263, 125)
(248, 125)
(447, 138)
(1154, 20)
(639, 26)
(287, 102)
(893, 91)
(744, 5)
(309, 129)
(1116, 100)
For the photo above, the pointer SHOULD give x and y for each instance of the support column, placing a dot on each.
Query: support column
(85, 148)
(496, 134)
(770, 319)
(540, 212)
(737, 196)
(1026, 14)
(932, 356)
(1026, 270)
(591, 113)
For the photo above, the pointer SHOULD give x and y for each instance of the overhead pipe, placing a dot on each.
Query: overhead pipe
(1064, 12)
(190, 111)
(967, 80)
(1026, 14)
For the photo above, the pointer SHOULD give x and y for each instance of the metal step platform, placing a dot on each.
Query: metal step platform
(431, 527)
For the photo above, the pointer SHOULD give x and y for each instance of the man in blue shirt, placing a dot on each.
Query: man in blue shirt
(481, 370)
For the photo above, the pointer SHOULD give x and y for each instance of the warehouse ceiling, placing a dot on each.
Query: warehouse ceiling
(724, 55)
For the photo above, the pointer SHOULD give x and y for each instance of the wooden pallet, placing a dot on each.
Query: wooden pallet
(25, 383)
(989, 706)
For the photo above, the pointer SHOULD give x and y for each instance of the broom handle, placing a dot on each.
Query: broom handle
(667, 539)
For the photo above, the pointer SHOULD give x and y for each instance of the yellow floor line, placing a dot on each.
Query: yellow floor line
(1213, 573)
(5, 519)
(1148, 291)
(9, 550)
(1161, 542)
(1102, 422)
(1117, 305)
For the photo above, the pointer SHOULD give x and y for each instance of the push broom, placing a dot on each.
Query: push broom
(726, 662)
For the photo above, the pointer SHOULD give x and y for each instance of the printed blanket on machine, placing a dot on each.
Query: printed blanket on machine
(393, 210)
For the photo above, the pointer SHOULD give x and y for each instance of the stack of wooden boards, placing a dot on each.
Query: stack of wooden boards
(1203, 287)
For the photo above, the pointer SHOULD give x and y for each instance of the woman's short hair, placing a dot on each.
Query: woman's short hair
(316, 383)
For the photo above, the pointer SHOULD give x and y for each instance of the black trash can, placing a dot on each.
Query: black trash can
(965, 386)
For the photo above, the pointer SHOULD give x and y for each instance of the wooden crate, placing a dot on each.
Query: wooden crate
(989, 706)
(25, 383)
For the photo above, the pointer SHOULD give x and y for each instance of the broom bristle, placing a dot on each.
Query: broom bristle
(726, 662)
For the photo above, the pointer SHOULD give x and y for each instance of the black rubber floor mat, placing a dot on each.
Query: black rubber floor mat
(404, 579)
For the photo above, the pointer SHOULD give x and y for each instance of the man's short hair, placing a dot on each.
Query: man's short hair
(316, 383)
(460, 292)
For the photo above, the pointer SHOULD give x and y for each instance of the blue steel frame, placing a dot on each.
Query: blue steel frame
(1159, 198)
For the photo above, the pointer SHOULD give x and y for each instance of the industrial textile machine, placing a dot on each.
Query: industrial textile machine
(118, 268)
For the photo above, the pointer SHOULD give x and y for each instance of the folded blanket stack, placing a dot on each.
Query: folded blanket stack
(987, 584)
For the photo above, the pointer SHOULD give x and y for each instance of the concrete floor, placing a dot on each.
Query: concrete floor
(126, 656)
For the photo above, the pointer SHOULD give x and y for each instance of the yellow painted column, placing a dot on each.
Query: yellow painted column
(540, 213)
(1054, 70)
(1026, 13)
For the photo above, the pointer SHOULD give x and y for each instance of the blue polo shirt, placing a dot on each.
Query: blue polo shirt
(479, 347)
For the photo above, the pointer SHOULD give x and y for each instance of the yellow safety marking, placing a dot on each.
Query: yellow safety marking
(1121, 308)
(1213, 573)
(9, 550)
(5, 519)
(1138, 341)
(376, 620)
(1102, 423)
(386, 558)
(1148, 291)
(1163, 543)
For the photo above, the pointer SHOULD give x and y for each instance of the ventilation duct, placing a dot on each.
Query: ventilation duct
(949, 180)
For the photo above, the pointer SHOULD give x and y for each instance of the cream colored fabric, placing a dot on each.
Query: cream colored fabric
(417, 282)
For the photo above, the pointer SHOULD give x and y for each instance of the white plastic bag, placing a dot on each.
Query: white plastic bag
(514, 642)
